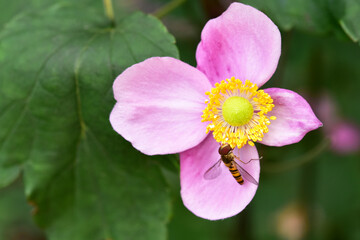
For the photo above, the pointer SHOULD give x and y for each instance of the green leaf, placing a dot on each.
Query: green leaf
(10, 9)
(321, 16)
(8, 175)
(348, 14)
(307, 15)
(57, 70)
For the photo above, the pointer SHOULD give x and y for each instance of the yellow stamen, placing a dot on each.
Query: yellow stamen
(243, 119)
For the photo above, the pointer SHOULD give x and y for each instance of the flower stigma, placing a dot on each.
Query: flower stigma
(237, 112)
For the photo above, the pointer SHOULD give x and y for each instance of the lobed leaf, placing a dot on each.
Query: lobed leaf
(57, 69)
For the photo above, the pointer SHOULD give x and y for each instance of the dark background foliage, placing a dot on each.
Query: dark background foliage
(65, 174)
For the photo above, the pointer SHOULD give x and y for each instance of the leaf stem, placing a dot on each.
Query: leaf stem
(109, 11)
(167, 8)
(309, 156)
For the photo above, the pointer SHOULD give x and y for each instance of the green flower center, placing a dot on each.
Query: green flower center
(237, 111)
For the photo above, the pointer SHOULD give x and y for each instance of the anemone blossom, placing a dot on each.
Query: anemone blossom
(344, 135)
(166, 106)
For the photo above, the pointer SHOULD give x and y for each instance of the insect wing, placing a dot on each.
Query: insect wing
(246, 175)
(214, 171)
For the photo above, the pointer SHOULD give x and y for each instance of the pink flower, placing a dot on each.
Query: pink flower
(345, 138)
(343, 134)
(162, 108)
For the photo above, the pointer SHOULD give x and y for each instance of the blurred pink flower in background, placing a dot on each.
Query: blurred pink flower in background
(343, 134)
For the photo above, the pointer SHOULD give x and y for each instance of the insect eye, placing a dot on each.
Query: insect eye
(223, 150)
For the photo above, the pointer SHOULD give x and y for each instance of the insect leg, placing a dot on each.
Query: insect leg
(237, 158)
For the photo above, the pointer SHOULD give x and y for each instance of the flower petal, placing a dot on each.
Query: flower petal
(242, 42)
(159, 105)
(294, 118)
(221, 197)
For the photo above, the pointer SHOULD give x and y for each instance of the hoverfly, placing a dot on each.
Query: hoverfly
(228, 158)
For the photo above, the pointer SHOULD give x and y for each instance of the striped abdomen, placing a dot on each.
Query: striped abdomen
(235, 172)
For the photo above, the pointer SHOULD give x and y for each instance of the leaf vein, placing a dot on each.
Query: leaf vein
(30, 95)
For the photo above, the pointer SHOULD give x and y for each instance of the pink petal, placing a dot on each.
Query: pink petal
(159, 105)
(294, 118)
(242, 42)
(221, 197)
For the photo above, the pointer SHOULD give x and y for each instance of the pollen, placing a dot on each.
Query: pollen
(237, 112)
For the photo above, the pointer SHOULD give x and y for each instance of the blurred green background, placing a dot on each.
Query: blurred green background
(307, 190)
